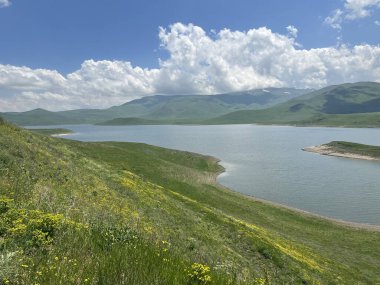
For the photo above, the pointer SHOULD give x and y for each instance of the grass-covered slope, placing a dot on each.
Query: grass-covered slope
(39, 117)
(125, 213)
(353, 105)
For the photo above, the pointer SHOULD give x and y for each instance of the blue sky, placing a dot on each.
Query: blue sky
(50, 40)
(62, 34)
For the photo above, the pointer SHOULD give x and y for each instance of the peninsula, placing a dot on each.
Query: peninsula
(347, 149)
(57, 132)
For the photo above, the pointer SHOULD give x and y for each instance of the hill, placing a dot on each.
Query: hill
(160, 107)
(351, 105)
(126, 213)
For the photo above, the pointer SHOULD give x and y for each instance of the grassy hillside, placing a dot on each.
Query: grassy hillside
(162, 108)
(125, 213)
(39, 117)
(351, 105)
(43, 117)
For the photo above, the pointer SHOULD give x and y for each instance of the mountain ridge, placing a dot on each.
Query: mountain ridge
(349, 104)
(167, 107)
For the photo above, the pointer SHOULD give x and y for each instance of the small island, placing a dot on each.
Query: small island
(347, 149)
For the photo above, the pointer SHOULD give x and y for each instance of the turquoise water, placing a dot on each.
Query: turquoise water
(267, 162)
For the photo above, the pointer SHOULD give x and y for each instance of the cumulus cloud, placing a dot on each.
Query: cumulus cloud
(95, 84)
(293, 31)
(198, 63)
(4, 3)
(352, 10)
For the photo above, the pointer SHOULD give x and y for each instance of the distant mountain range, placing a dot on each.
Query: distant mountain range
(161, 108)
(351, 105)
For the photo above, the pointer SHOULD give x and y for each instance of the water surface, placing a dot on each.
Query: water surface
(267, 162)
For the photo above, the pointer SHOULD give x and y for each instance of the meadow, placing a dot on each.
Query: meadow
(128, 213)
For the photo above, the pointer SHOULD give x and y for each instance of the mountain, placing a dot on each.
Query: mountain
(205, 106)
(351, 104)
(43, 117)
(163, 107)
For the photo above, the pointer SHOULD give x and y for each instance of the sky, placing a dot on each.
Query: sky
(67, 54)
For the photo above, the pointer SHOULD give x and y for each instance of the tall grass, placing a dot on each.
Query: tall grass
(123, 213)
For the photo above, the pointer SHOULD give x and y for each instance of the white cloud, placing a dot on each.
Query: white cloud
(335, 19)
(377, 23)
(352, 10)
(198, 63)
(357, 9)
(4, 3)
(293, 31)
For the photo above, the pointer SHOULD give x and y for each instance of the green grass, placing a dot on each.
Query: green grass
(128, 213)
(50, 132)
(355, 148)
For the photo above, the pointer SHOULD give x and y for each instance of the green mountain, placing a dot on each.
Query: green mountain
(205, 106)
(351, 104)
(126, 213)
(160, 107)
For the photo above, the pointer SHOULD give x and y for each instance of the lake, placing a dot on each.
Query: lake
(267, 162)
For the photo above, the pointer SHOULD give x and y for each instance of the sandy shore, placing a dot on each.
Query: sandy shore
(326, 150)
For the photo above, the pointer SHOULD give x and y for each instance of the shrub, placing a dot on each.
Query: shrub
(27, 228)
(199, 274)
(5, 204)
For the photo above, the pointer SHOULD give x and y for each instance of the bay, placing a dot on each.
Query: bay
(267, 162)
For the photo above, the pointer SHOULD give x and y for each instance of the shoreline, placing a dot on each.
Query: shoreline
(339, 222)
(222, 124)
(214, 176)
(61, 135)
(326, 150)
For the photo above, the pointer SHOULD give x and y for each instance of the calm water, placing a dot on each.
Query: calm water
(267, 162)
